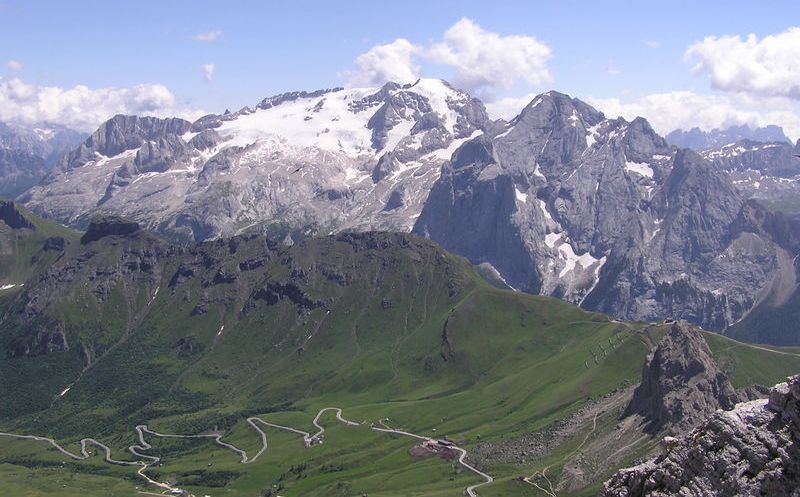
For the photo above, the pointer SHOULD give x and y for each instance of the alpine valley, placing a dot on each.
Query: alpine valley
(384, 292)
(350, 364)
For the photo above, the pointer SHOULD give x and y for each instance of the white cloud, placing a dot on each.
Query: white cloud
(768, 67)
(653, 43)
(208, 71)
(612, 69)
(483, 59)
(15, 65)
(507, 108)
(390, 62)
(480, 60)
(686, 110)
(208, 36)
(84, 108)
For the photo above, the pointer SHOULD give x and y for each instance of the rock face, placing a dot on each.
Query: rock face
(681, 384)
(751, 450)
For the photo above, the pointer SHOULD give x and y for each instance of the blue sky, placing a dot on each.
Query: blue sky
(602, 51)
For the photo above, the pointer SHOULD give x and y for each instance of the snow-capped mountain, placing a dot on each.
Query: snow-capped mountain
(559, 201)
(319, 162)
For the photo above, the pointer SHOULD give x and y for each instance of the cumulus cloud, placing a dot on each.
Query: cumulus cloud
(390, 62)
(484, 59)
(686, 110)
(208, 71)
(14, 65)
(507, 108)
(208, 36)
(653, 44)
(480, 60)
(84, 108)
(767, 67)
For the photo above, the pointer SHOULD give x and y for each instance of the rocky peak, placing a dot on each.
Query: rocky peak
(753, 449)
(121, 133)
(555, 110)
(641, 142)
(681, 384)
(684, 200)
(108, 225)
(13, 218)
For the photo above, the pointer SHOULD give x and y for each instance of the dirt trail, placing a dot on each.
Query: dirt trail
(550, 490)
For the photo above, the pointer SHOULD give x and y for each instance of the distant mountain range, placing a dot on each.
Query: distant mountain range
(559, 201)
(28, 153)
(699, 140)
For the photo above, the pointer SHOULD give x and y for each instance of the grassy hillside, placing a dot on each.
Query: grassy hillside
(381, 325)
(768, 323)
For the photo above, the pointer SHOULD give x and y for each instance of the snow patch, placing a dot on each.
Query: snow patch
(447, 153)
(306, 122)
(572, 260)
(550, 239)
(640, 168)
(538, 173)
(522, 197)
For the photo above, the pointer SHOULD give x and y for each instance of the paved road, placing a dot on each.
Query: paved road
(84, 454)
(142, 446)
(461, 459)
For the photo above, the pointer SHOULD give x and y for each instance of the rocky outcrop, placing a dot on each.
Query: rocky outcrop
(681, 384)
(104, 226)
(751, 450)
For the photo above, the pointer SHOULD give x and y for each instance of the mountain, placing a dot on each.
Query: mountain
(604, 213)
(314, 162)
(115, 327)
(559, 201)
(766, 172)
(28, 153)
(699, 140)
(750, 450)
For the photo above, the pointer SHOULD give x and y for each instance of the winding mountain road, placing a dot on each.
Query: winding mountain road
(147, 460)
(461, 459)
